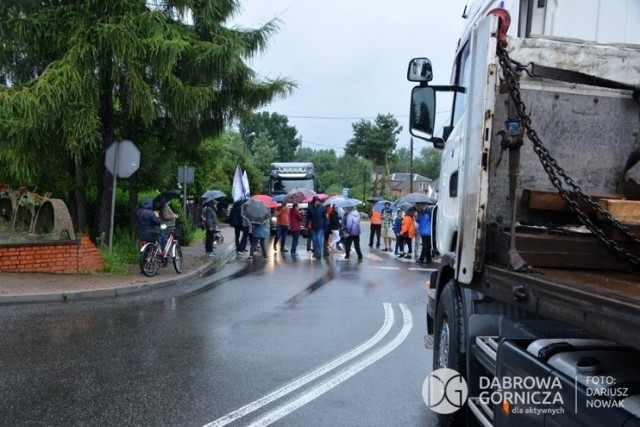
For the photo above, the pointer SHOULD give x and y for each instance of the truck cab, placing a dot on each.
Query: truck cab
(284, 177)
(287, 176)
(540, 237)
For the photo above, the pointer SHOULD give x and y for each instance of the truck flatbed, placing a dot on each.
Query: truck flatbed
(602, 302)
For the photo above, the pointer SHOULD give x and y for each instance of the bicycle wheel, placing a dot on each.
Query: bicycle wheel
(220, 239)
(149, 263)
(178, 260)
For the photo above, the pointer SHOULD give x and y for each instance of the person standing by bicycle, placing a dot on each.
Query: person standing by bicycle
(167, 216)
(210, 224)
(148, 220)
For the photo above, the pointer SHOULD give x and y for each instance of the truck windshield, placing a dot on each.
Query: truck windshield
(283, 186)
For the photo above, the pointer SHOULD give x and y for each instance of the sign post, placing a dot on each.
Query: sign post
(185, 175)
(122, 159)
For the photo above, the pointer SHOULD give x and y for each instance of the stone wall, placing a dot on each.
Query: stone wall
(51, 257)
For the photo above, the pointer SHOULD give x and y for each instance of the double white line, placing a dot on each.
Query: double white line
(327, 385)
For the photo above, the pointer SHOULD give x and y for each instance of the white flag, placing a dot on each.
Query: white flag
(237, 191)
(246, 191)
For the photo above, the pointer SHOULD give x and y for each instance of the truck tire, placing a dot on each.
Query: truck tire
(449, 343)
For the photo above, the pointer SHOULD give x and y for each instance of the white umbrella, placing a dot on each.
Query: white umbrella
(347, 203)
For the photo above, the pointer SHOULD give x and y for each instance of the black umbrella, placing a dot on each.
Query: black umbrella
(374, 199)
(256, 211)
(164, 198)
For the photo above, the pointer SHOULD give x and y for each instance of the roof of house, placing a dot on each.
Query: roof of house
(400, 180)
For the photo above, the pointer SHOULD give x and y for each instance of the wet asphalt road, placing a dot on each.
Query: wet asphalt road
(228, 350)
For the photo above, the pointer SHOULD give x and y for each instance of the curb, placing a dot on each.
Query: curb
(215, 264)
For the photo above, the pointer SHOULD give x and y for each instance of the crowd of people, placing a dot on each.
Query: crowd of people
(331, 229)
(336, 230)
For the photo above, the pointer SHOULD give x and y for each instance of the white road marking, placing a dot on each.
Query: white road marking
(322, 388)
(422, 269)
(373, 257)
(294, 385)
(389, 268)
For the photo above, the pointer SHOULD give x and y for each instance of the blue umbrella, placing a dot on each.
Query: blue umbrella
(279, 198)
(379, 205)
(212, 195)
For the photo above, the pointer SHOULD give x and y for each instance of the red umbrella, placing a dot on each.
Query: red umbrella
(320, 196)
(267, 200)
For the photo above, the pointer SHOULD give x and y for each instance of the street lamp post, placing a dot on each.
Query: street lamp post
(246, 139)
(364, 185)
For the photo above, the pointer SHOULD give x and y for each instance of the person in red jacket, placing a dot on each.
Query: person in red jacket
(295, 225)
(282, 227)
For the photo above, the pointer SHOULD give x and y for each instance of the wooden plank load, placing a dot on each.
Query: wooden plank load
(560, 247)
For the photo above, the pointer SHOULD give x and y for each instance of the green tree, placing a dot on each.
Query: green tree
(401, 161)
(265, 152)
(78, 75)
(275, 127)
(304, 154)
(375, 142)
(429, 162)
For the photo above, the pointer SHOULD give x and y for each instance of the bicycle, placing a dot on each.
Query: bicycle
(218, 238)
(152, 256)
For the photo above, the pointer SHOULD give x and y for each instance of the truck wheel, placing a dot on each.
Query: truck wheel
(449, 342)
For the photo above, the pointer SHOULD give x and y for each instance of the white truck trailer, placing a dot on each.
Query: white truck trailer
(536, 299)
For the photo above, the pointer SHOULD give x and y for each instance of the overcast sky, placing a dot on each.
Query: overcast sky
(349, 59)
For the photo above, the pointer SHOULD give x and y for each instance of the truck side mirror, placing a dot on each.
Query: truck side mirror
(420, 70)
(422, 115)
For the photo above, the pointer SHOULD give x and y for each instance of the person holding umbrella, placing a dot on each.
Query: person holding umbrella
(258, 215)
(258, 232)
(375, 227)
(424, 228)
(209, 222)
(397, 228)
(334, 228)
(408, 231)
(352, 228)
(240, 227)
(316, 215)
(282, 226)
(295, 225)
(387, 226)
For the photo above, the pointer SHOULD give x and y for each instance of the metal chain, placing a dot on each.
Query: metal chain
(555, 172)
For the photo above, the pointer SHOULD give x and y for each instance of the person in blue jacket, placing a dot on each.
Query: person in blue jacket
(148, 220)
(258, 232)
(424, 229)
(397, 227)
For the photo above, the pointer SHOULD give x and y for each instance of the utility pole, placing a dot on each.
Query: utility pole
(411, 166)
(246, 140)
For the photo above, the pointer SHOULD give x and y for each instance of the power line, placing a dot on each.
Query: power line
(337, 118)
(353, 118)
